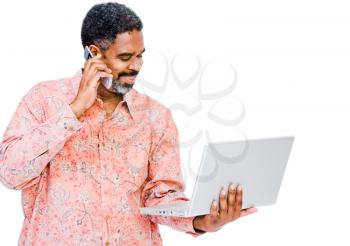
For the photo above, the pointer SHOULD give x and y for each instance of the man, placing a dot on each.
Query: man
(86, 156)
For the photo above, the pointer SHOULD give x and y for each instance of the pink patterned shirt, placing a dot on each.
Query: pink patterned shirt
(83, 181)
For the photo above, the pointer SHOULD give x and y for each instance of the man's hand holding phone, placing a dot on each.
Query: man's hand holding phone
(94, 70)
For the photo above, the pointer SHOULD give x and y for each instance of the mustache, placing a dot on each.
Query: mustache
(131, 74)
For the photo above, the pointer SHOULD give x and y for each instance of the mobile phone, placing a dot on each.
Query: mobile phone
(107, 82)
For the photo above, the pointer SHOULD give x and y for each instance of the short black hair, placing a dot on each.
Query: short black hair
(104, 21)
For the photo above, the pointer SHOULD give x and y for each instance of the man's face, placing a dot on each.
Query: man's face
(124, 58)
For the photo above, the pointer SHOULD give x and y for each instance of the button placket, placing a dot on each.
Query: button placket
(102, 175)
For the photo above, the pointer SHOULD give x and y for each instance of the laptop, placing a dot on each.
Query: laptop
(258, 165)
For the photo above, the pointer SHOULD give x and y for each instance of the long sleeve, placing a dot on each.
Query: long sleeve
(165, 183)
(31, 141)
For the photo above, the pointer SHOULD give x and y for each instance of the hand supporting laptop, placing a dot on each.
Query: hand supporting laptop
(227, 210)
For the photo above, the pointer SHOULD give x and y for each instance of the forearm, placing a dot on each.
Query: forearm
(24, 156)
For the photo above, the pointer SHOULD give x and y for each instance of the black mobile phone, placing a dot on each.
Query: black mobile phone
(87, 53)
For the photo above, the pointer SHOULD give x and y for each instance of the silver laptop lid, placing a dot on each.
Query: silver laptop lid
(258, 165)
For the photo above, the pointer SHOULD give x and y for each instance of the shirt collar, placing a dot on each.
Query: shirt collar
(129, 98)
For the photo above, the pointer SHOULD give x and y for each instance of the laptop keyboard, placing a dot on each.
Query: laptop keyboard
(176, 205)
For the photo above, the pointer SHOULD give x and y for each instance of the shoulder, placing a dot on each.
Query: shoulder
(155, 110)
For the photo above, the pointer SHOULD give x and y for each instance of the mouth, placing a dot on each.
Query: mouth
(128, 79)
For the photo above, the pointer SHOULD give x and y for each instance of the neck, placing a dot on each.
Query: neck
(107, 96)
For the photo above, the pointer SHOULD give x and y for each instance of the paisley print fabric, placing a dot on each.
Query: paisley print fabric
(83, 181)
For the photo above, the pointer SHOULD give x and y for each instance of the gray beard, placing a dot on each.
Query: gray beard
(121, 89)
(118, 88)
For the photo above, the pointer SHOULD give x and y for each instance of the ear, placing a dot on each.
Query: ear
(94, 50)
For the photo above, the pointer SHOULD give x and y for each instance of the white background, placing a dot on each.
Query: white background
(292, 60)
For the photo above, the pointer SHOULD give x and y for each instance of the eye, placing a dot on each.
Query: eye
(125, 58)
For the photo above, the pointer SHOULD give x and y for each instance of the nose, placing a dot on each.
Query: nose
(136, 65)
